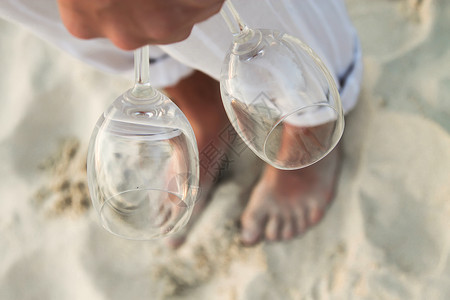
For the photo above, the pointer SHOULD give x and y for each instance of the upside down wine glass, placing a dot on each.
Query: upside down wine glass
(143, 169)
(279, 96)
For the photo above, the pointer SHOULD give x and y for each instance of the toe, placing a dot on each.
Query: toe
(163, 215)
(253, 224)
(273, 228)
(315, 213)
(300, 220)
(175, 242)
(251, 234)
(288, 230)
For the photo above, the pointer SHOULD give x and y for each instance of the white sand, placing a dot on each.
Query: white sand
(385, 237)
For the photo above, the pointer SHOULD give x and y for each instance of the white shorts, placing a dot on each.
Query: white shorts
(322, 24)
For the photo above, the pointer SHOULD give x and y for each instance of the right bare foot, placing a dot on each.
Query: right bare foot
(284, 204)
(198, 96)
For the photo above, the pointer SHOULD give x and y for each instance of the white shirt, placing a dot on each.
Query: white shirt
(322, 24)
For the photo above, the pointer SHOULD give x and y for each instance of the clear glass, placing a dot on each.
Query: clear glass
(143, 168)
(279, 96)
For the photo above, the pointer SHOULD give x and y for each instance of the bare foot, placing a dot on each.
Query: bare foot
(198, 96)
(284, 204)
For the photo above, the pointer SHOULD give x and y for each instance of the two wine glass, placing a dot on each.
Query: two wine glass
(143, 165)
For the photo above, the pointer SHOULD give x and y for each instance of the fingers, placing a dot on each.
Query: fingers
(135, 23)
(78, 20)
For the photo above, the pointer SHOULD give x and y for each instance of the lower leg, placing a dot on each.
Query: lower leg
(198, 96)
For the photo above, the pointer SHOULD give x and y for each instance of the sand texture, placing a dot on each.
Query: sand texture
(385, 237)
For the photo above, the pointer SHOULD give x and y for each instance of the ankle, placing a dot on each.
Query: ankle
(198, 96)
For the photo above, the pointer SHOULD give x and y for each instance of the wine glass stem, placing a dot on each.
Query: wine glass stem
(141, 70)
(233, 20)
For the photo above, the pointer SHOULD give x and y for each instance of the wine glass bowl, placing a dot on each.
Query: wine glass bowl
(280, 98)
(143, 170)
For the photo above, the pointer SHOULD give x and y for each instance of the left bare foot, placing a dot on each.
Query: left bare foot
(284, 204)
(198, 96)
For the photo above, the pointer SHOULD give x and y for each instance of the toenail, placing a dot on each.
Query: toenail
(248, 237)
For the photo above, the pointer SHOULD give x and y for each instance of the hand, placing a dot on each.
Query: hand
(130, 24)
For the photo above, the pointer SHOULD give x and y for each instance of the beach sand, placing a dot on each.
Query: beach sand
(386, 236)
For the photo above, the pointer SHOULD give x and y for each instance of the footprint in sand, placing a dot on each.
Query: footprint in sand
(65, 191)
(408, 22)
(404, 194)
